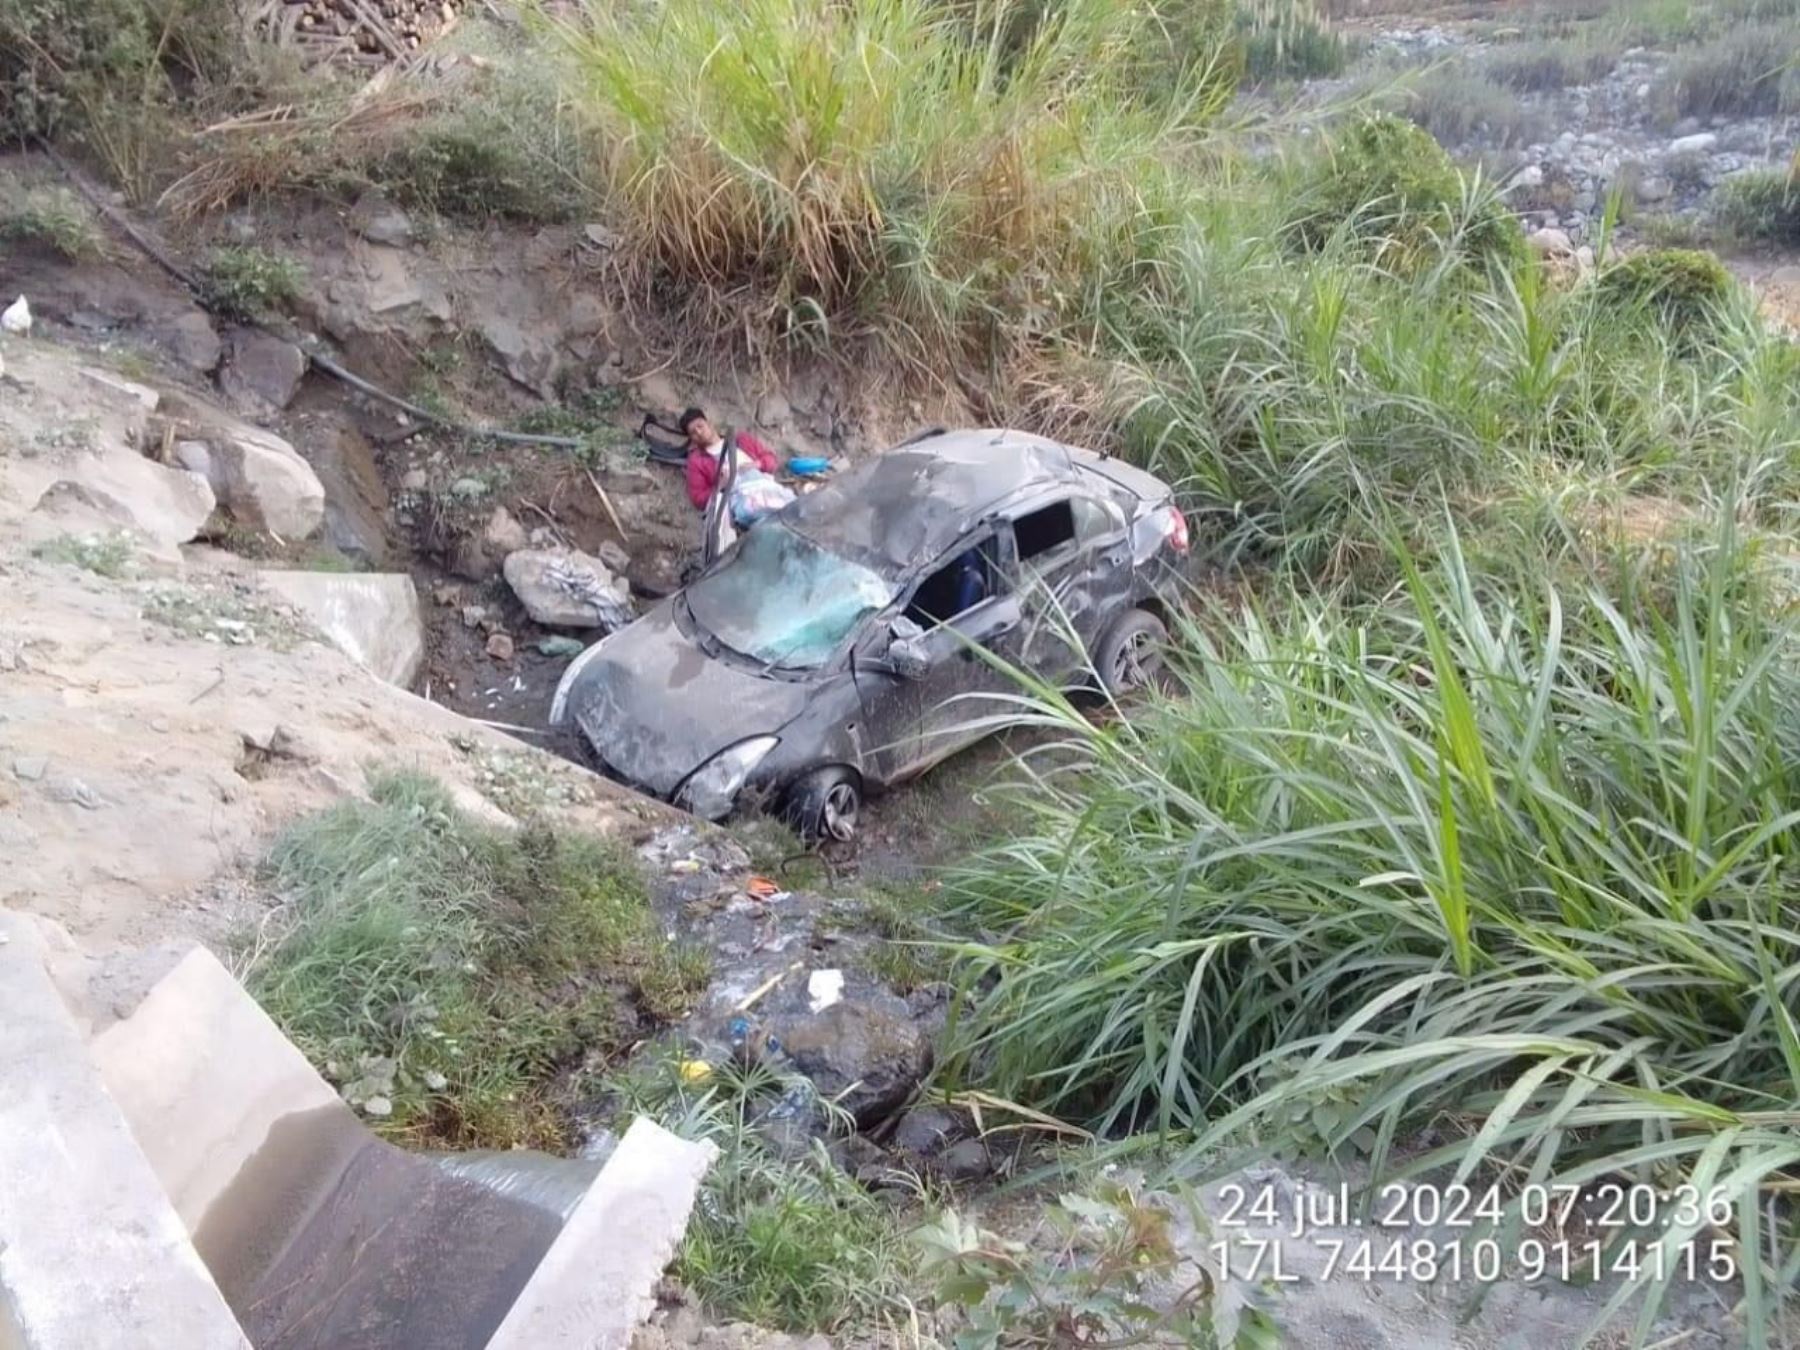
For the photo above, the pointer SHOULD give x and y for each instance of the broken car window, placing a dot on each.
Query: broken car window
(783, 600)
(1043, 530)
(969, 578)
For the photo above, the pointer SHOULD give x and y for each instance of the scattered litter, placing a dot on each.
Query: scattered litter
(755, 995)
(560, 646)
(435, 1081)
(695, 1071)
(824, 988)
(378, 1106)
(762, 888)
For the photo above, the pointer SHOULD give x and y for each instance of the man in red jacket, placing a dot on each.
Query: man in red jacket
(706, 446)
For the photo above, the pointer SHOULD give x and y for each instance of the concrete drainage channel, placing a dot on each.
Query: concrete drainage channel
(185, 1178)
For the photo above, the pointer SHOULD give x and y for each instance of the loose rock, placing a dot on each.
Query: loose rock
(865, 1052)
(261, 374)
(500, 647)
(568, 589)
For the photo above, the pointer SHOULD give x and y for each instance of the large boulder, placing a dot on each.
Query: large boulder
(258, 477)
(261, 373)
(562, 588)
(865, 1052)
(373, 617)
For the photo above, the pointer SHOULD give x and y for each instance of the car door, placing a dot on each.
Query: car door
(913, 723)
(1074, 572)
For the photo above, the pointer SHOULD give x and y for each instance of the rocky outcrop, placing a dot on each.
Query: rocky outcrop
(89, 474)
(372, 617)
(563, 588)
(261, 372)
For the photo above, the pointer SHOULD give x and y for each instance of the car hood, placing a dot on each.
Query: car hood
(656, 707)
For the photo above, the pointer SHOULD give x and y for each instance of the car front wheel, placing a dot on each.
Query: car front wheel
(824, 805)
(1130, 656)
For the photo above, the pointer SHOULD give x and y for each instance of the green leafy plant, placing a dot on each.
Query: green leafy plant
(1388, 186)
(1098, 1284)
(54, 218)
(104, 555)
(246, 282)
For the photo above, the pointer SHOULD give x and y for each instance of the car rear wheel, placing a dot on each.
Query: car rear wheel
(824, 805)
(1130, 656)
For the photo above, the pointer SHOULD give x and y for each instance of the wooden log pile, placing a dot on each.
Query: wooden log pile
(361, 32)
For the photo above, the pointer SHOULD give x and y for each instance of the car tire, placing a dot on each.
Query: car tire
(823, 806)
(1129, 656)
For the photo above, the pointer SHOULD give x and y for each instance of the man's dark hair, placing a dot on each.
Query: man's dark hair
(688, 418)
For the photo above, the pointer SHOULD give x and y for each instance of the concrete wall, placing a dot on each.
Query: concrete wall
(92, 1255)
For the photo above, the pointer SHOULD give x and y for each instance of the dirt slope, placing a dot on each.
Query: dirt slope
(158, 725)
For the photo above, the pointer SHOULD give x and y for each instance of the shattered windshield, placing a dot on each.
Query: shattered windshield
(783, 600)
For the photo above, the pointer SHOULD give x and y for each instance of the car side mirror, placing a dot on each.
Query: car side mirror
(906, 652)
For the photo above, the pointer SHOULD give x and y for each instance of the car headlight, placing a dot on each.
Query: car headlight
(559, 705)
(713, 787)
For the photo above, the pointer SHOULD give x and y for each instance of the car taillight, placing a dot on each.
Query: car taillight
(1175, 529)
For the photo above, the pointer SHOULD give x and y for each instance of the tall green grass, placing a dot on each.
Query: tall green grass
(940, 176)
(1503, 853)
(1296, 394)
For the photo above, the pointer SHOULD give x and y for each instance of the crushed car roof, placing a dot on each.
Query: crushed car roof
(907, 506)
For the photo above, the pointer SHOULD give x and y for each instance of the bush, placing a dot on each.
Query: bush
(1684, 287)
(1457, 104)
(249, 283)
(1763, 204)
(1746, 72)
(53, 218)
(856, 169)
(1389, 185)
(450, 976)
(1299, 48)
(107, 73)
(1537, 67)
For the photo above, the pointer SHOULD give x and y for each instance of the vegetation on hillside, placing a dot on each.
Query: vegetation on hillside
(456, 979)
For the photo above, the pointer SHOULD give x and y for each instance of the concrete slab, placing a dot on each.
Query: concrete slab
(92, 1254)
(598, 1280)
(373, 617)
(204, 1076)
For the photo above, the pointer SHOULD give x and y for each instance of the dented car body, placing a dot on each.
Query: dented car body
(836, 648)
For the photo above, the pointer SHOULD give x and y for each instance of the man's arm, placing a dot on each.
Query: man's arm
(764, 457)
(702, 477)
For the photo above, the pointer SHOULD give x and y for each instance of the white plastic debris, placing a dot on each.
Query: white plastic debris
(824, 988)
(16, 317)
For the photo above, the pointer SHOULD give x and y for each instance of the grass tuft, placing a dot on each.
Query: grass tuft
(104, 555)
(1762, 205)
(478, 970)
(780, 1237)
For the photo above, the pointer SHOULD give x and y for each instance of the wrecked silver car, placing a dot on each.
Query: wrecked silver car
(832, 650)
